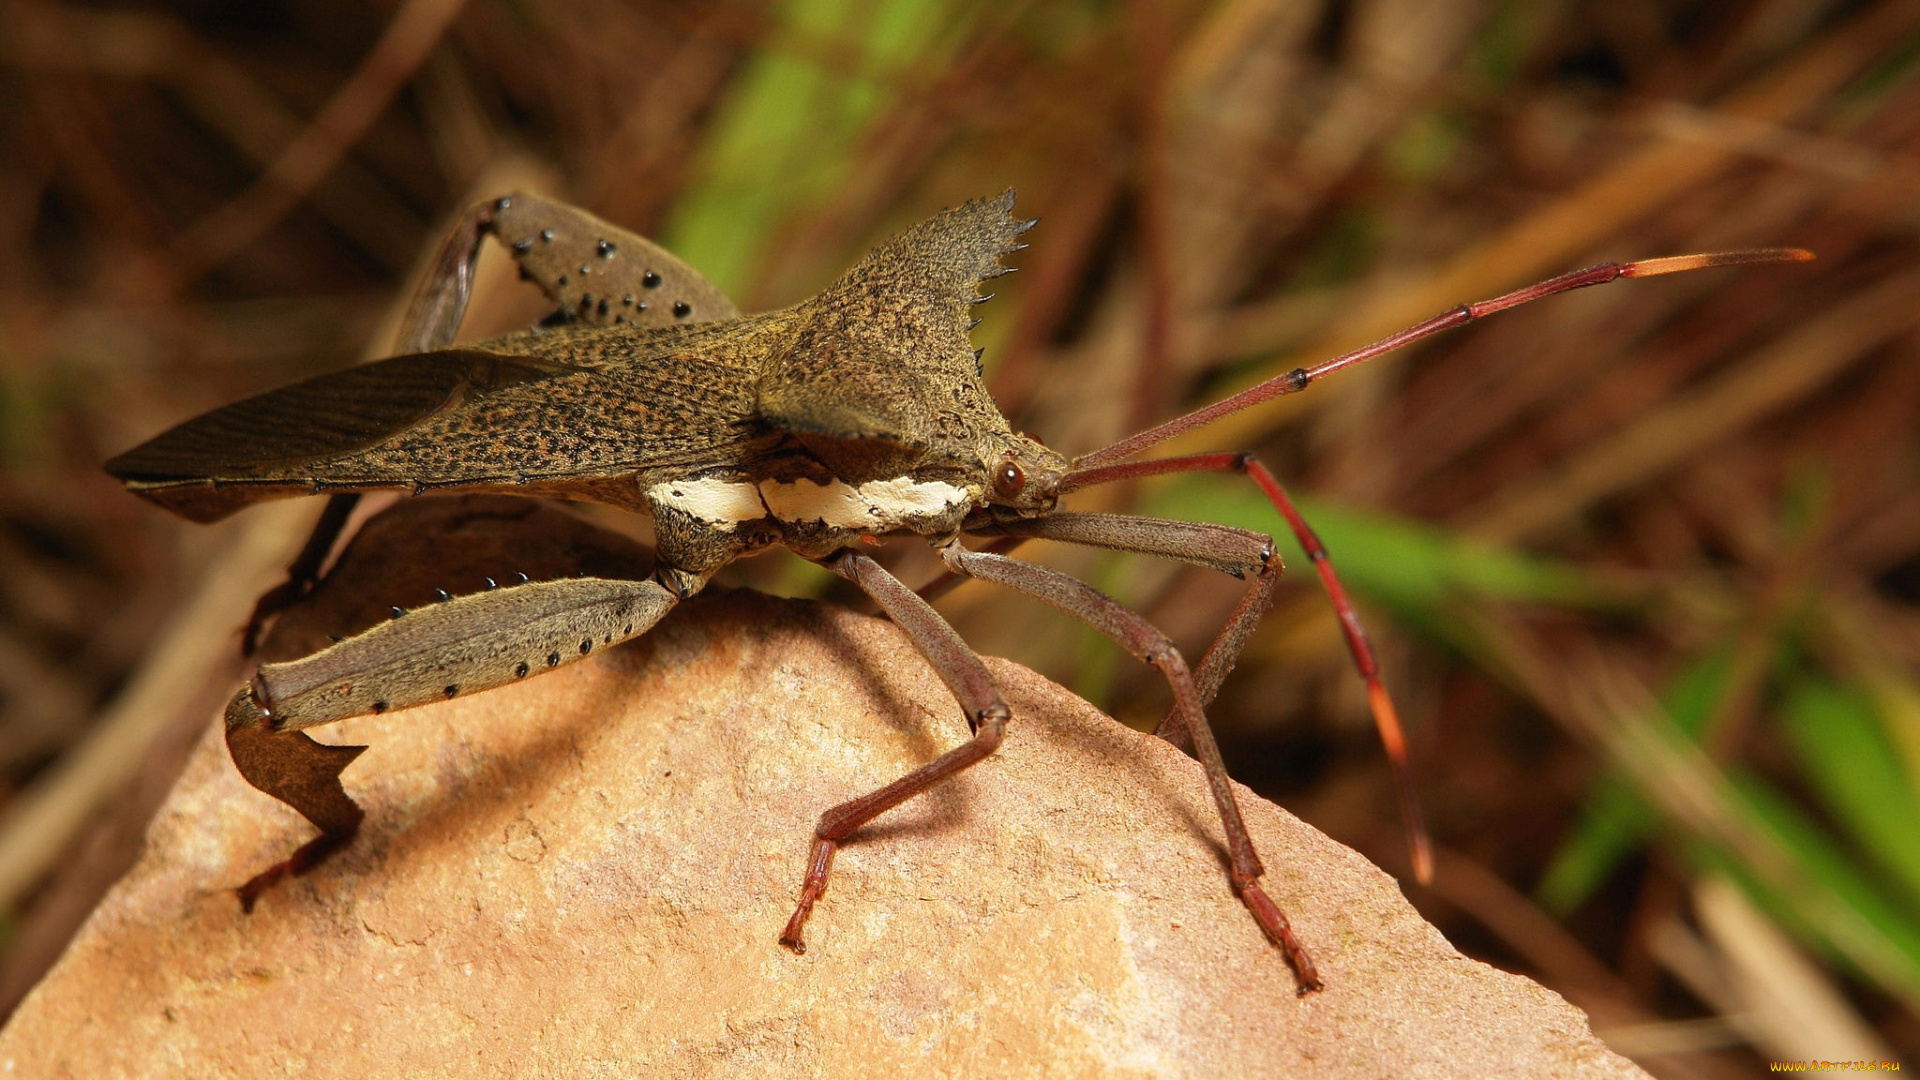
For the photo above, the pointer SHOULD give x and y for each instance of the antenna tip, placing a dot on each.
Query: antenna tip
(1675, 264)
(1422, 859)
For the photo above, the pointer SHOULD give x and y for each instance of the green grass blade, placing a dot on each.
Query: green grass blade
(1846, 755)
(1823, 896)
(789, 127)
(1616, 818)
(1416, 570)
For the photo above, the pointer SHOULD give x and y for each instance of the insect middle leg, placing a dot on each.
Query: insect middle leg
(964, 674)
(1132, 632)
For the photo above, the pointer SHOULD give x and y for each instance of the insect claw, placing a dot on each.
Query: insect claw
(984, 299)
(337, 639)
(443, 594)
(491, 584)
(523, 577)
(975, 323)
(397, 610)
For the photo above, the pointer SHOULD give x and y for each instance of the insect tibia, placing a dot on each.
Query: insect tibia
(290, 766)
(459, 646)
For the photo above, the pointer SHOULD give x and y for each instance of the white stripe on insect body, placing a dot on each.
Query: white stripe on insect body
(834, 502)
(906, 497)
(725, 504)
(875, 506)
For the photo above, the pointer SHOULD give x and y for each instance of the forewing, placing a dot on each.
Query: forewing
(297, 432)
(581, 401)
(557, 412)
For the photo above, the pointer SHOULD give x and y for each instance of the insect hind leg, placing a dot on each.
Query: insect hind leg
(304, 774)
(460, 645)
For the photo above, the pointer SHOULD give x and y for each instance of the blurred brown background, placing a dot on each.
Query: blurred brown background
(1643, 562)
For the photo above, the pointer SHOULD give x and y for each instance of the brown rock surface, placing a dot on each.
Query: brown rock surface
(584, 875)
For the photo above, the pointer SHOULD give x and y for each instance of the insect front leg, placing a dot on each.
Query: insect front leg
(1233, 637)
(1215, 547)
(1139, 637)
(461, 645)
(964, 674)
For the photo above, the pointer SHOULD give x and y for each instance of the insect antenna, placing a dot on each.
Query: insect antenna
(1299, 378)
(1111, 464)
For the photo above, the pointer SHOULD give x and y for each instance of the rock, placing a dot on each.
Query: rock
(585, 875)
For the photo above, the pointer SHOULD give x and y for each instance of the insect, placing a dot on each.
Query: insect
(858, 414)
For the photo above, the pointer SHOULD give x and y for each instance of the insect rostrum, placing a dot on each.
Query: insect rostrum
(857, 414)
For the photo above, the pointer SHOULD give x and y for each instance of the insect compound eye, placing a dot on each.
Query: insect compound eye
(1008, 480)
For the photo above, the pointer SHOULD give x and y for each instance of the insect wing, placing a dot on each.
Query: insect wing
(204, 469)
